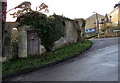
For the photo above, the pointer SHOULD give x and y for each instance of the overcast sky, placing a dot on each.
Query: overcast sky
(69, 8)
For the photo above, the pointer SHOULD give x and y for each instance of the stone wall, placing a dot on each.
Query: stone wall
(7, 41)
(70, 35)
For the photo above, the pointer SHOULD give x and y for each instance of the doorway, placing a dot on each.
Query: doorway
(32, 43)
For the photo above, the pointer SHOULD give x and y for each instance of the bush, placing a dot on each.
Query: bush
(104, 29)
(112, 28)
(49, 29)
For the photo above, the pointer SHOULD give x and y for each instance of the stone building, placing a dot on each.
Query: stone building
(114, 15)
(91, 21)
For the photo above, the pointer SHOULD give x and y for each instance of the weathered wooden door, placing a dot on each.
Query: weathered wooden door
(33, 43)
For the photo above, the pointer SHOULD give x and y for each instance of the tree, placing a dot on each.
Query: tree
(43, 6)
(49, 29)
(26, 7)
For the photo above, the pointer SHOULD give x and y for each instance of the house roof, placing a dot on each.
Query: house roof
(90, 21)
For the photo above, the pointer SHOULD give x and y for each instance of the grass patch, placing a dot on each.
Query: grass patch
(56, 55)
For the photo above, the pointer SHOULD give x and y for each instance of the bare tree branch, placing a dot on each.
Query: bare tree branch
(24, 6)
(43, 6)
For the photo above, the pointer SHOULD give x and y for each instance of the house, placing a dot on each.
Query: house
(105, 22)
(114, 15)
(91, 23)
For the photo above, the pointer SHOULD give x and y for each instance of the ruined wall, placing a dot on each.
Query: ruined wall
(24, 41)
(70, 31)
(7, 41)
(9, 27)
(70, 35)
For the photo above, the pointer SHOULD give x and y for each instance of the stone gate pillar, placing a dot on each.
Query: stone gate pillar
(22, 42)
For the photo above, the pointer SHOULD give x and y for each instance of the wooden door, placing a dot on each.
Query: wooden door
(33, 43)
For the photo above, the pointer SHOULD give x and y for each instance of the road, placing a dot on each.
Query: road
(99, 63)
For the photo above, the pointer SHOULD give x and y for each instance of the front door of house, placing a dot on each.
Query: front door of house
(33, 43)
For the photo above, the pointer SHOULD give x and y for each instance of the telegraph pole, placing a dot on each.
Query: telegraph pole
(97, 24)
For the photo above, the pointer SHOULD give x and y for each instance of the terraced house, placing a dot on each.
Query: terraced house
(115, 15)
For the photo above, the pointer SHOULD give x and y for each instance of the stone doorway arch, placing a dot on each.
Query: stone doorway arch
(14, 42)
(9, 43)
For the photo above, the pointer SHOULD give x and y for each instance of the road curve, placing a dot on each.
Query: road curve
(99, 63)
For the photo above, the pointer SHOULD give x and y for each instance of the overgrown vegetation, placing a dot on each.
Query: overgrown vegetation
(84, 22)
(112, 28)
(110, 31)
(80, 29)
(49, 29)
(56, 55)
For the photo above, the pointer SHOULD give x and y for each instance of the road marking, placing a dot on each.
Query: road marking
(107, 64)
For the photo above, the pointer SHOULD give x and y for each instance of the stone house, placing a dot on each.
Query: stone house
(114, 15)
(91, 22)
(90, 28)
(111, 19)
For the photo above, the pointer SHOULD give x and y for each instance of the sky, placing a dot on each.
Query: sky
(69, 8)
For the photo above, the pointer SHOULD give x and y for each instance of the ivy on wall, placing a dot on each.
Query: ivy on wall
(49, 29)
(81, 29)
(84, 22)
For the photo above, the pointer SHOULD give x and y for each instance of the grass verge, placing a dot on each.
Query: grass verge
(56, 55)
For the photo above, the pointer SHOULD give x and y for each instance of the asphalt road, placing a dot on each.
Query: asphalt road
(99, 63)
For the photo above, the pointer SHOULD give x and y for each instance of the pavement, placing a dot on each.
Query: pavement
(99, 63)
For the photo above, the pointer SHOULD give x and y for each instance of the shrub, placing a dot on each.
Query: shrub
(49, 29)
